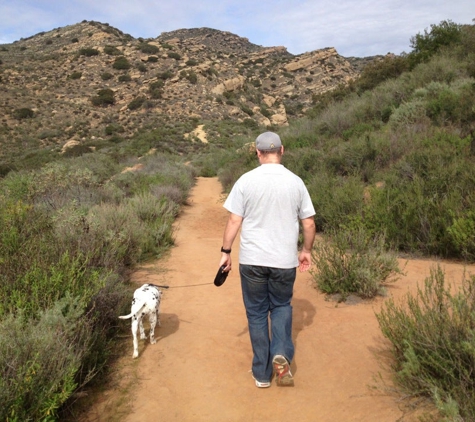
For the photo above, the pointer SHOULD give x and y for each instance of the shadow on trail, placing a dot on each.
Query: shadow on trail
(303, 314)
(169, 325)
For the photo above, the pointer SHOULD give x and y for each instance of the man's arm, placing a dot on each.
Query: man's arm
(305, 257)
(230, 232)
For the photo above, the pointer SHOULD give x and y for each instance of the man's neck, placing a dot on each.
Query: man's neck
(270, 160)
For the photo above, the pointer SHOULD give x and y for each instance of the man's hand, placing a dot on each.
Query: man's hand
(226, 260)
(305, 257)
(305, 261)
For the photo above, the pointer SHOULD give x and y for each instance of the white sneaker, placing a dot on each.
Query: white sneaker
(260, 384)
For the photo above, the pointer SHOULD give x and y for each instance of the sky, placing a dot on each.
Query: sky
(354, 28)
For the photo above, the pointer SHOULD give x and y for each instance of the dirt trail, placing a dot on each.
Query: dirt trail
(199, 368)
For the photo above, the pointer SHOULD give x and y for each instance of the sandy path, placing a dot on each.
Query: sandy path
(199, 368)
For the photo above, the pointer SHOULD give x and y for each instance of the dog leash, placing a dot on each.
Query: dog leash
(190, 285)
(177, 287)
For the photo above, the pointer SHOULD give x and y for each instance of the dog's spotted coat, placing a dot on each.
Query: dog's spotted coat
(146, 301)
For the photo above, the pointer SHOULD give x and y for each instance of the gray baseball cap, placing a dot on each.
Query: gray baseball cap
(268, 141)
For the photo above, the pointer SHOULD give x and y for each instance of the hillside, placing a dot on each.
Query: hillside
(89, 82)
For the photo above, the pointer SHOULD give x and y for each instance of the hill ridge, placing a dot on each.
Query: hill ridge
(198, 73)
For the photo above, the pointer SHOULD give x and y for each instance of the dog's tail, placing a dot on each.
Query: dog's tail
(132, 313)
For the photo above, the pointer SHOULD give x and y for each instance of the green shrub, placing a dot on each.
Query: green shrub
(357, 131)
(425, 194)
(23, 113)
(88, 52)
(148, 48)
(462, 234)
(351, 261)
(247, 110)
(165, 75)
(111, 50)
(192, 77)
(191, 62)
(174, 55)
(265, 111)
(122, 237)
(5, 169)
(124, 78)
(35, 282)
(40, 361)
(141, 67)
(75, 75)
(121, 63)
(157, 85)
(104, 98)
(113, 128)
(136, 103)
(231, 166)
(250, 123)
(105, 76)
(77, 151)
(408, 115)
(433, 345)
(378, 71)
(337, 199)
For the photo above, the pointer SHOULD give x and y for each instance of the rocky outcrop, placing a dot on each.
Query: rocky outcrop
(229, 85)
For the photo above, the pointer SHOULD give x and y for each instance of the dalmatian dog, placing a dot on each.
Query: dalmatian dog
(146, 301)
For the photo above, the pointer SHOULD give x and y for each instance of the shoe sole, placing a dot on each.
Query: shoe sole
(262, 384)
(284, 377)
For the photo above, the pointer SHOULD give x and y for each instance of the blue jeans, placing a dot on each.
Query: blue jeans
(268, 292)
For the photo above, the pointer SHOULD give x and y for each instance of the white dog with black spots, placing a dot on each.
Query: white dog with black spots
(146, 301)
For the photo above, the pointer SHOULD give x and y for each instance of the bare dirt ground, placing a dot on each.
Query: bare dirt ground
(199, 368)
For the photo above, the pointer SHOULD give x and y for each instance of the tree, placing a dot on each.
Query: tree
(427, 44)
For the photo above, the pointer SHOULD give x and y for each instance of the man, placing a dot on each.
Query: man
(268, 202)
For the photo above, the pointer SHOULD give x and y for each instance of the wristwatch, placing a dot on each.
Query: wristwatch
(228, 251)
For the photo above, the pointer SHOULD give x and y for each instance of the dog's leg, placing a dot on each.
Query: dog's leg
(153, 321)
(158, 311)
(142, 331)
(135, 324)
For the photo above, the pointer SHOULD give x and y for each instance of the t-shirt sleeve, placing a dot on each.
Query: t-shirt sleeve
(234, 202)
(306, 209)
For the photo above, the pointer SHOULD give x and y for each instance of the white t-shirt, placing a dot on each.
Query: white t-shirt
(271, 199)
